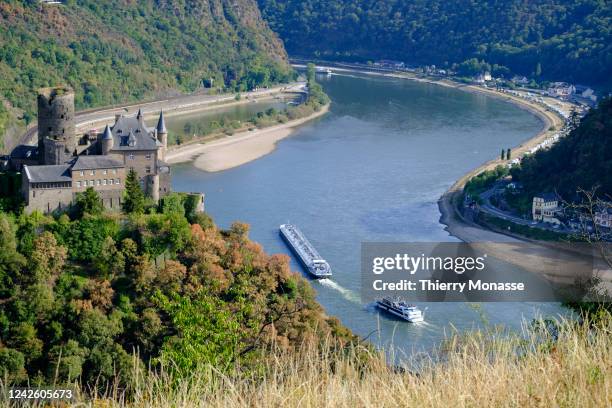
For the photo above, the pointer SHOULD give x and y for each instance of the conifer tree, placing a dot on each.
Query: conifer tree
(133, 198)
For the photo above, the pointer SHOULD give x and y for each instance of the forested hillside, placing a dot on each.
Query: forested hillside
(91, 297)
(119, 50)
(551, 39)
(583, 160)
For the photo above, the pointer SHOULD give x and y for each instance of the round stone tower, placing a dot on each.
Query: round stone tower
(56, 128)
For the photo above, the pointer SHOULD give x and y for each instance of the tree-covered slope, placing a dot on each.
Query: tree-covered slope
(582, 160)
(569, 40)
(119, 50)
(88, 299)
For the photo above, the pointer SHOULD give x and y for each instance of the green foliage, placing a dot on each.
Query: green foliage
(93, 290)
(472, 67)
(133, 197)
(583, 159)
(88, 202)
(207, 333)
(551, 39)
(485, 180)
(111, 52)
(11, 261)
(11, 199)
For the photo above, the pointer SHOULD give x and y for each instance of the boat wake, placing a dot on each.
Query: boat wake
(346, 293)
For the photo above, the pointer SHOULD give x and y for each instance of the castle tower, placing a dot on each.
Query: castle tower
(107, 141)
(56, 128)
(162, 135)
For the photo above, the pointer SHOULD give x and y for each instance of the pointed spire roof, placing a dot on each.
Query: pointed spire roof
(161, 123)
(107, 135)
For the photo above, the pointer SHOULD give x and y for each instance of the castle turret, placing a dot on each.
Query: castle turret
(162, 135)
(106, 142)
(56, 128)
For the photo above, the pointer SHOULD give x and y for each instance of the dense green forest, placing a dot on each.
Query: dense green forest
(118, 51)
(583, 159)
(548, 39)
(87, 295)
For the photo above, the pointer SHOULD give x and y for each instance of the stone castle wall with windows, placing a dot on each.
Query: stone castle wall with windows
(100, 161)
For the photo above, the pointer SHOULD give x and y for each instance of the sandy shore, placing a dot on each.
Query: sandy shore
(233, 151)
(545, 259)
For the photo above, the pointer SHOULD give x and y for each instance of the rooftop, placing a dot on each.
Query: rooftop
(130, 133)
(95, 162)
(24, 152)
(48, 174)
(548, 196)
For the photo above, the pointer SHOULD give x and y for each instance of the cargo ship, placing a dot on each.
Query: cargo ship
(401, 309)
(305, 252)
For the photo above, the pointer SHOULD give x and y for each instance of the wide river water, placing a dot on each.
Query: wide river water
(372, 170)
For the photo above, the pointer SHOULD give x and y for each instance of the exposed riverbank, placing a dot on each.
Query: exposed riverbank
(238, 149)
(179, 105)
(543, 258)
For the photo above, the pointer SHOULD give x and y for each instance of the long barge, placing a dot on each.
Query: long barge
(305, 252)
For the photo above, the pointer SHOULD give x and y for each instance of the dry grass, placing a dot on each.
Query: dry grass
(476, 370)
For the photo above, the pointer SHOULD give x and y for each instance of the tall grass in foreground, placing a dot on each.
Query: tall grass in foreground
(569, 365)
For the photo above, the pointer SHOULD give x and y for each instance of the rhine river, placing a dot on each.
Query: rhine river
(372, 170)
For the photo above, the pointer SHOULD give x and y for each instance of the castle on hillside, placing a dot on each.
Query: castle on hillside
(61, 165)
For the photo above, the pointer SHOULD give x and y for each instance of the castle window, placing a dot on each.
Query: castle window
(92, 172)
(148, 156)
(104, 171)
(104, 182)
(78, 184)
(117, 181)
(114, 171)
(148, 169)
(98, 182)
(82, 173)
(131, 156)
(91, 183)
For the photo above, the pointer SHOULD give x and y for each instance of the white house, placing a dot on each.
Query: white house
(603, 218)
(546, 208)
(561, 89)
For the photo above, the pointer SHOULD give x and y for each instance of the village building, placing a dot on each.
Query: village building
(483, 78)
(603, 218)
(561, 90)
(62, 165)
(545, 208)
(586, 93)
